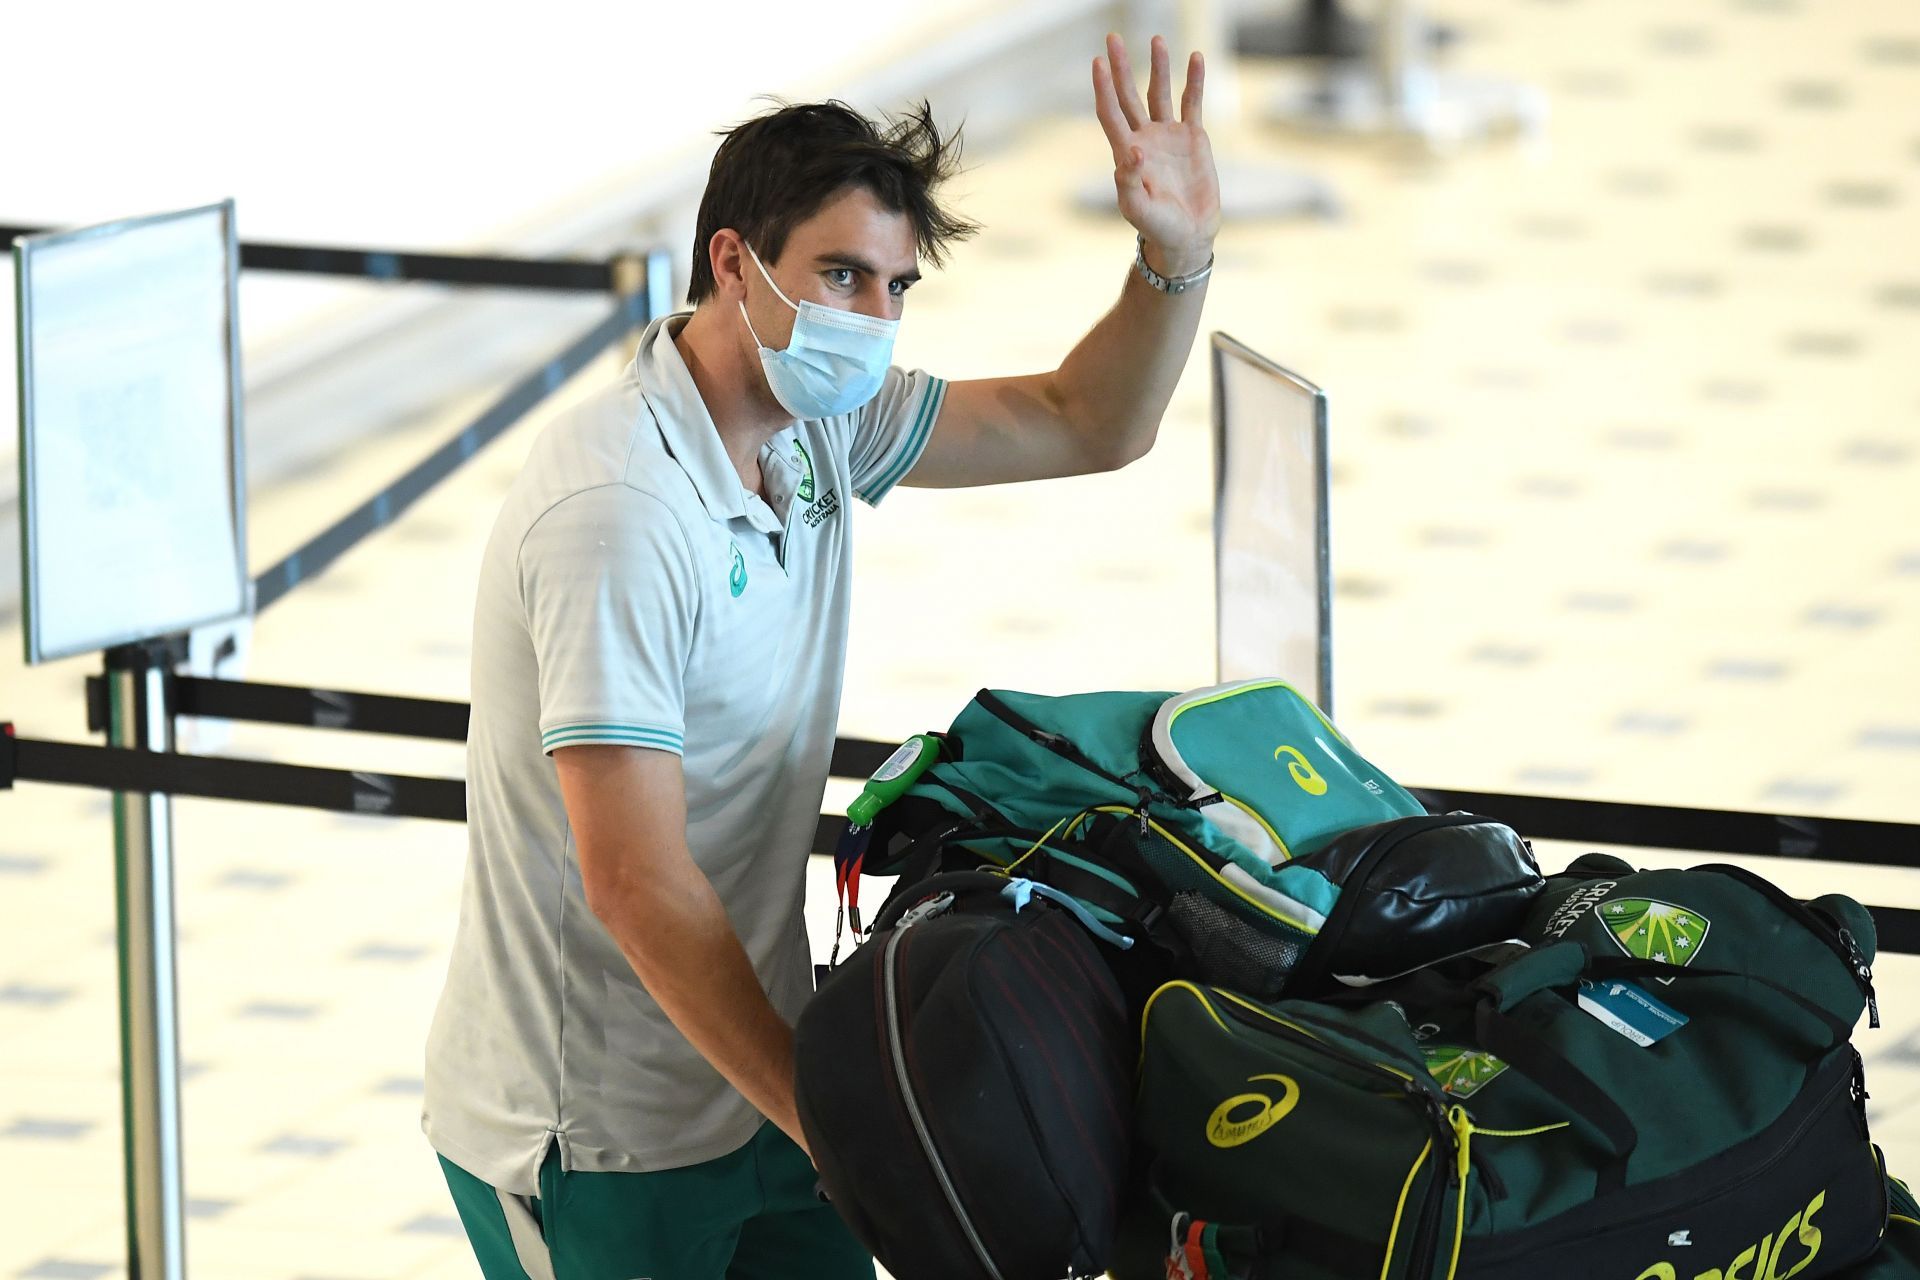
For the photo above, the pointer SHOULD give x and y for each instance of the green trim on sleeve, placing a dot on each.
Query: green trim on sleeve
(630, 735)
(896, 471)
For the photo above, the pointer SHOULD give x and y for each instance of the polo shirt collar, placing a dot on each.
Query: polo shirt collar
(688, 428)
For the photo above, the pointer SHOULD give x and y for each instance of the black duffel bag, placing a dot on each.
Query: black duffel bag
(964, 1081)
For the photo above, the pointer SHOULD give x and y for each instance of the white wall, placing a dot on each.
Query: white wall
(400, 125)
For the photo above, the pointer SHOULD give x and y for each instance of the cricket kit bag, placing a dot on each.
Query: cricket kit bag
(1656, 1083)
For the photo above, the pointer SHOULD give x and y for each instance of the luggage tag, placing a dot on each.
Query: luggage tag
(1631, 1011)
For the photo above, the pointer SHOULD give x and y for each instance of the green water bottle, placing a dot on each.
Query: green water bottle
(891, 780)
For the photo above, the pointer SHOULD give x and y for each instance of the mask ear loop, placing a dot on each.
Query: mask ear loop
(750, 331)
(770, 284)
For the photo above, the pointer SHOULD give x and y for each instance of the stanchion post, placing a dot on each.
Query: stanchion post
(1397, 58)
(140, 718)
(660, 294)
(647, 274)
(629, 274)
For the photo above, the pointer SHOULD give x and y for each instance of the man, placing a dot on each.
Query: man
(658, 649)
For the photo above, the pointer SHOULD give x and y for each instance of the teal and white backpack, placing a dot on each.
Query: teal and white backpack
(1186, 819)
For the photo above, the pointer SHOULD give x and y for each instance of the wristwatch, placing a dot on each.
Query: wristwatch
(1167, 284)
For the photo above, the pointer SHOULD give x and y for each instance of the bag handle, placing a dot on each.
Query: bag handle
(1541, 969)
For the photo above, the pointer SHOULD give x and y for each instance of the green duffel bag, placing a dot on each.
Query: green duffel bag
(1560, 1110)
(1727, 914)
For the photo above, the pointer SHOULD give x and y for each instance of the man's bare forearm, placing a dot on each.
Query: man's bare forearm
(1116, 383)
(678, 939)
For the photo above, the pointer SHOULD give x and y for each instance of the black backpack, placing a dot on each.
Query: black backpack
(964, 1080)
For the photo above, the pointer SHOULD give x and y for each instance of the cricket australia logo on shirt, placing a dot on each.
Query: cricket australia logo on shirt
(818, 505)
(737, 576)
(1650, 930)
(805, 491)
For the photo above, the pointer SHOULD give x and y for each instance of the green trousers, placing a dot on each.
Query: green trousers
(749, 1215)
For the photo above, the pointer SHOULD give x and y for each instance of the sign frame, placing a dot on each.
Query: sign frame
(24, 250)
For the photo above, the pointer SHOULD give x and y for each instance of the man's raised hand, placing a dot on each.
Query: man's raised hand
(1162, 167)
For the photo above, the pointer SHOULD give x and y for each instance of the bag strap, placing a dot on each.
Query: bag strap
(1521, 1045)
(1629, 967)
(1561, 964)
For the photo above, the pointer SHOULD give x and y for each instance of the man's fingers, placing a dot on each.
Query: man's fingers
(1128, 174)
(1123, 87)
(1107, 108)
(1196, 86)
(1159, 81)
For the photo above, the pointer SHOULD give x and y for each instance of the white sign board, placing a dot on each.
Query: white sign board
(132, 513)
(1272, 570)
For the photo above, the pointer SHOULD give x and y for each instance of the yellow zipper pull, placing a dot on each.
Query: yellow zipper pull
(1462, 1142)
(1462, 1161)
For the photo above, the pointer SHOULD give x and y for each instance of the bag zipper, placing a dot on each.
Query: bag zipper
(1148, 825)
(1155, 766)
(1839, 940)
(1059, 744)
(890, 966)
(1860, 1096)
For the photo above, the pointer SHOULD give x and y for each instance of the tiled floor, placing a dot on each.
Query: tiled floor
(1627, 453)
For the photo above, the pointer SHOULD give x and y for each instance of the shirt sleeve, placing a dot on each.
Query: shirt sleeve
(891, 431)
(607, 581)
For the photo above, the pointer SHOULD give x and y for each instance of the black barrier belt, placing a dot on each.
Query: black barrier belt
(444, 799)
(255, 703)
(570, 276)
(384, 507)
(564, 275)
(858, 758)
(321, 708)
(390, 795)
(1891, 844)
(1897, 928)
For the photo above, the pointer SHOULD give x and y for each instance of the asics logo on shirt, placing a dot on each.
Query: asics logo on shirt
(737, 577)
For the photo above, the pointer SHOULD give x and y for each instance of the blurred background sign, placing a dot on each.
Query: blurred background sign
(1272, 570)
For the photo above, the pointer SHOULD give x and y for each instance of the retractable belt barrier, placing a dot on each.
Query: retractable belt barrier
(135, 703)
(1892, 844)
(387, 505)
(558, 275)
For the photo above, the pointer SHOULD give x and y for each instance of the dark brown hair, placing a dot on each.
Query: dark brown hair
(777, 170)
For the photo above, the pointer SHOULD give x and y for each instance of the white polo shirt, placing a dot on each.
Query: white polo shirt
(632, 592)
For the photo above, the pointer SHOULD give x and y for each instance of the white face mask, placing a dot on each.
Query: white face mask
(833, 364)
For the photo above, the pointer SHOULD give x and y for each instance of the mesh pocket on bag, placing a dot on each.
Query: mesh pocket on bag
(1229, 952)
